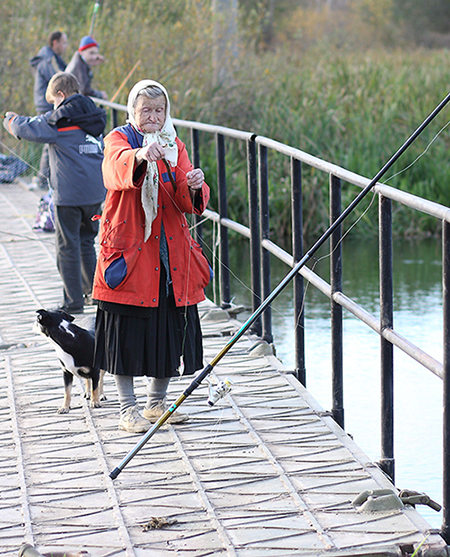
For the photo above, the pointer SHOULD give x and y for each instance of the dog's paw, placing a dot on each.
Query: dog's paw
(103, 397)
(95, 404)
(87, 395)
(63, 410)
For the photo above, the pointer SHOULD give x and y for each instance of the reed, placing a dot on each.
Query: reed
(354, 110)
(351, 106)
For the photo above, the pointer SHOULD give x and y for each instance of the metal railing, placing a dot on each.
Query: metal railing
(261, 247)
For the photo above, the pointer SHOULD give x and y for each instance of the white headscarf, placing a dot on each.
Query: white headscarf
(166, 138)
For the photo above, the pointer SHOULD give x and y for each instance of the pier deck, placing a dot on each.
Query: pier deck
(265, 472)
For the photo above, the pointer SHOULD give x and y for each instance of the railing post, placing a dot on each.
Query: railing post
(253, 215)
(195, 146)
(446, 379)
(387, 461)
(224, 272)
(336, 309)
(115, 118)
(265, 235)
(297, 252)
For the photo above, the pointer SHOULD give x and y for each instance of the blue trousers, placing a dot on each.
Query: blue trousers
(75, 251)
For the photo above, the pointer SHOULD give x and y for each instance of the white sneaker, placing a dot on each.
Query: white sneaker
(153, 414)
(133, 422)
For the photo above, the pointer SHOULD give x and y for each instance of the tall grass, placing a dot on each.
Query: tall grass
(349, 105)
(353, 109)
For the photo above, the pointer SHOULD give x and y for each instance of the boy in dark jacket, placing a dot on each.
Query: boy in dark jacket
(73, 131)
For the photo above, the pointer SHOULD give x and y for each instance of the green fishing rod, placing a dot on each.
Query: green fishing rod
(94, 15)
(281, 286)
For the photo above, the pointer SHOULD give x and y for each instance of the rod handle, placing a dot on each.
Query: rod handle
(113, 475)
(27, 550)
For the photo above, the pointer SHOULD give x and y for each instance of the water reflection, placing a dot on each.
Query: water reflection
(417, 316)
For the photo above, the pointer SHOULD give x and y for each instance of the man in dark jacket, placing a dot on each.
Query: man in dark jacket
(85, 58)
(73, 131)
(45, 64)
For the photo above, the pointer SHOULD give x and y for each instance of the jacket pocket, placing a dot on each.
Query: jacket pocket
(200, 267)
(119, 254)
(116, 267)
(116, 272)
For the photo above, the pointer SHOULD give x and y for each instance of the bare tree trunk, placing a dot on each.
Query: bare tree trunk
(225, 39)
(268, 24)
(333, 5)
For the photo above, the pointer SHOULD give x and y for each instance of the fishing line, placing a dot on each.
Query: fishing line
(196, 382)
(421, 155)
(246, 287)
(211, 251)
(194, 226)
(328, 255)
(212, 444)
(40, 174)
(13, 152)
(347, 232)
(424, 152)
(317, 260)
(163, 187)
(280, 313)
(217, 231)
(216, 258)
(27, 237)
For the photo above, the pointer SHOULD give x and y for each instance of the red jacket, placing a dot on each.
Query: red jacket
(129, 265)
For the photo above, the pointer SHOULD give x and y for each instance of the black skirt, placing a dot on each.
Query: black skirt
(135, 341)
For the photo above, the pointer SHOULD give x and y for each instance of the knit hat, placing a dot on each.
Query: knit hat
(87, 42)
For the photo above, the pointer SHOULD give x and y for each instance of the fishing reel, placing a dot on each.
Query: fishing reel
(219, 391)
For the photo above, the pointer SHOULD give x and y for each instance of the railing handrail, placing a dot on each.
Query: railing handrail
(261, 246)
(409, 200)
(350, 305)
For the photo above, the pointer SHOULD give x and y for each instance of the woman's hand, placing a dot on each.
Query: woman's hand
(151, 153)
(195, 179)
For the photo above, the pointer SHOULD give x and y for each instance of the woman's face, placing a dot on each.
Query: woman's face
(150, 114)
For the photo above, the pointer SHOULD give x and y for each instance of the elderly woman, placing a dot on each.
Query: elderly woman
(150, 273)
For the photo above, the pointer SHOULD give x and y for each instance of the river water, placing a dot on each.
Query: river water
(417, 316)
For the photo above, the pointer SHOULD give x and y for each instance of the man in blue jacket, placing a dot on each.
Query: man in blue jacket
(45, 64)
(73, 131)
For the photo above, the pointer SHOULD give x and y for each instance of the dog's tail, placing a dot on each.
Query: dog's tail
(87, 323)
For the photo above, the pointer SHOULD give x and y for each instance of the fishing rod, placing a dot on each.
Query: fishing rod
(94, 15)
(277, 290)
(169, 172)
(127, 77)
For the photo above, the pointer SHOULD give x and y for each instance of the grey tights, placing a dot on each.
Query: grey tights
(156, 391)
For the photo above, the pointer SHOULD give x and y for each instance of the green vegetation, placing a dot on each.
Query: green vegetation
(346, 86)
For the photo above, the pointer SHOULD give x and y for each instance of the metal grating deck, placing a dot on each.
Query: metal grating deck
(263, 473)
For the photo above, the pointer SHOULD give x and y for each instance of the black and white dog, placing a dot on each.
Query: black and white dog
(75, 349)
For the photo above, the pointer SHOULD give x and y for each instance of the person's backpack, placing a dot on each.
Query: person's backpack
(11, 167)
(45, 218)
